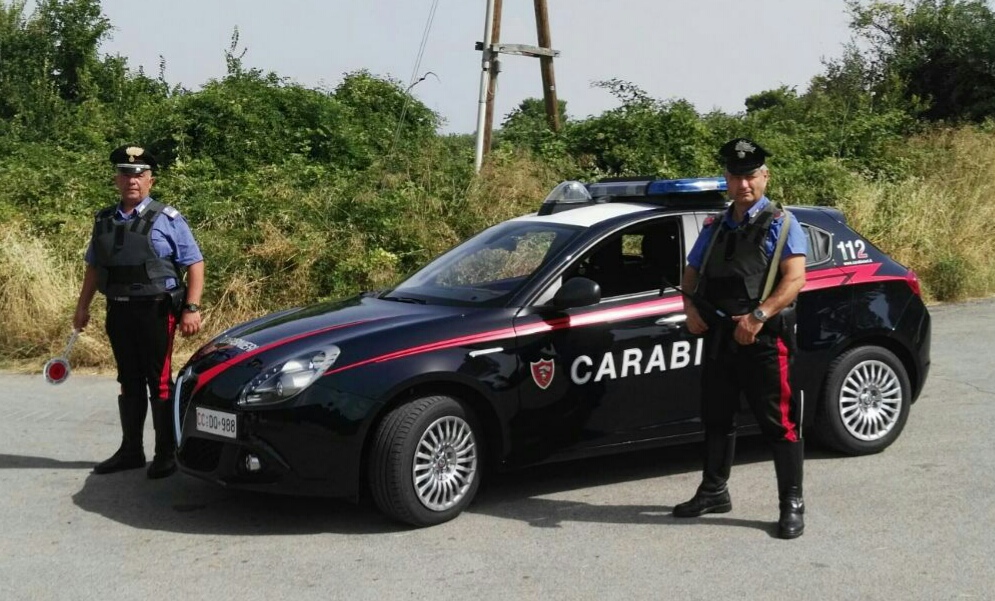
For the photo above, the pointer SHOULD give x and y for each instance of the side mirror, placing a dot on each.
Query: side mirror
(577, 292)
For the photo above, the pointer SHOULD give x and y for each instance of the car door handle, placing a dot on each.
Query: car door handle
(672, 320)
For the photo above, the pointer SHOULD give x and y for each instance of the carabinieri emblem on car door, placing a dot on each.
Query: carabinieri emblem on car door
(542, 372)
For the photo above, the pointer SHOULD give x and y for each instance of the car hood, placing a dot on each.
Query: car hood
(330, 322)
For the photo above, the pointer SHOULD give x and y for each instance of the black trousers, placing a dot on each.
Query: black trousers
(762, 373)
(141, 332)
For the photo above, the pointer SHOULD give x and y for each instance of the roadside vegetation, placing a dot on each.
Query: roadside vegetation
(298, 194)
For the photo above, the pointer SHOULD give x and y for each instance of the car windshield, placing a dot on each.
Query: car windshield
(488, 268)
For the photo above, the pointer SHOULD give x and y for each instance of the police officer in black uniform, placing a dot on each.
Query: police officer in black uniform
(138, 253)
(750, 344)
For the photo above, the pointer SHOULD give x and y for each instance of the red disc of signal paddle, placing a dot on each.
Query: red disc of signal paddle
(56, 371)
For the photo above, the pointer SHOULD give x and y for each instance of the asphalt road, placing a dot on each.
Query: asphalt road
(915, 522)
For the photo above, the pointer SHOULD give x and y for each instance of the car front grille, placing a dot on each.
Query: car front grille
(201, 454)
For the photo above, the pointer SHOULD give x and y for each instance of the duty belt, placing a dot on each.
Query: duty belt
(136, 299)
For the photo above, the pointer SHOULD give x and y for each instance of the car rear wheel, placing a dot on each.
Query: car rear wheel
(865, 402)
(425, 461)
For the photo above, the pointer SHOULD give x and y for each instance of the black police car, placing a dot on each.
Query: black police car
(550, 336)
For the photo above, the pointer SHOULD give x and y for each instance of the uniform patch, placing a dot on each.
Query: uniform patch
(542, 372)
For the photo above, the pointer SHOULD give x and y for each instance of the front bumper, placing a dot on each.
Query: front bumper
(283, 451)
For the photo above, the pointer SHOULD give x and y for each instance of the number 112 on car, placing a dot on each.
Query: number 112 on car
(852, 250)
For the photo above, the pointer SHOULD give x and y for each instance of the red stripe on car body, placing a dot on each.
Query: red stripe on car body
(846, 276)
(816, 280)
(213, 372)
(653, 307)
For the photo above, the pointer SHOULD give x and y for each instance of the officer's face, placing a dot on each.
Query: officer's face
(747, 189)
(133, 187)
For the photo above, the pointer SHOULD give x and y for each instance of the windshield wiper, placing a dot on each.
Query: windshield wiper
(405, 299)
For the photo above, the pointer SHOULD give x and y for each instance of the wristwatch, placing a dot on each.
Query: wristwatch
(191, 307)
(759, 315)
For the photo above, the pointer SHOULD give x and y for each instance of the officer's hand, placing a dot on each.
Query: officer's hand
(80, 318)
(696, 325)
(747, 329)
(190, 323)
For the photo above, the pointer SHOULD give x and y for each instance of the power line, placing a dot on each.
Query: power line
(412, 83)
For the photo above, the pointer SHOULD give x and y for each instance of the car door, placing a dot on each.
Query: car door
(624, 369)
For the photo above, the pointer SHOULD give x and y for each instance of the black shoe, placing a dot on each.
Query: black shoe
(161, 467)
(120, 461)
(792, 522)
(704, 502)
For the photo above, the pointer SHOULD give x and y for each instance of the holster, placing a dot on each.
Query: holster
(178, 298)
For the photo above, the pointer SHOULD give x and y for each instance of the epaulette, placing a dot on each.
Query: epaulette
(170, 212)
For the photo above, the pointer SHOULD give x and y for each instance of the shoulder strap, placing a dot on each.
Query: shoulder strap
(775, 260)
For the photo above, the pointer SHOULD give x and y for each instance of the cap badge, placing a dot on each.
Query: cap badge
(743, 147)
(133, 152)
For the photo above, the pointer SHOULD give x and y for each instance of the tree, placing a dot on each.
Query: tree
(768, 99)
(643, 136)
(942, 52)
(527, 126)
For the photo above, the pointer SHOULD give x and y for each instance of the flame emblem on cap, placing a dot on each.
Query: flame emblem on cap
(133, 152)
(743, 147)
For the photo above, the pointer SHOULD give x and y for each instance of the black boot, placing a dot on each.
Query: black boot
(713, 494)
(788, 461)
(130, 455)
(164, 462)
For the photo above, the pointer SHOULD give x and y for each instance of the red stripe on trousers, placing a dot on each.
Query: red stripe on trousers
(167, 364)
(791, 432)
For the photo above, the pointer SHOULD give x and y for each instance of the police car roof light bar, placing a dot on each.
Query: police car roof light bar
(684, 186)
(565, 196)
(703, 192)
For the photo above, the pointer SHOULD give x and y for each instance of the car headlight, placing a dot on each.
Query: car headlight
(288, 378)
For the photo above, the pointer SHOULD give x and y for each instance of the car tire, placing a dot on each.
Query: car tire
(865, 401)
(425, 461)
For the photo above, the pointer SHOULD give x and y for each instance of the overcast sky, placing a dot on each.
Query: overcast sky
(714, 53)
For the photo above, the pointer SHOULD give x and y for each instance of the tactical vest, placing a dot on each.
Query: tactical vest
(736, 264)
(126, 262)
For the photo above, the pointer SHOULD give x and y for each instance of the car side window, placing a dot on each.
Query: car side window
(635, 260)
(820, 244)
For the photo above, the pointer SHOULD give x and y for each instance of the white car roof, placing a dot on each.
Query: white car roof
(588, 216)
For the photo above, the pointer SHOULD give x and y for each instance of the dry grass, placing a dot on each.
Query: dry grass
(509, 187)
(940, 221)
(38, 295)
(38, 292)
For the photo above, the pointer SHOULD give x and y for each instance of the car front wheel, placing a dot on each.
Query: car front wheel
(865, 401)
(424, 464)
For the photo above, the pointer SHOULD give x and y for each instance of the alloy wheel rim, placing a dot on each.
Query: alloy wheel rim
(445, 463)
(870, 400)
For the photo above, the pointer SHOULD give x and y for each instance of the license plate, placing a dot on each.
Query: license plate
(217, 422)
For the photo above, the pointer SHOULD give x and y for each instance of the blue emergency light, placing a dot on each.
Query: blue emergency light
(686, 186)
(688, 193)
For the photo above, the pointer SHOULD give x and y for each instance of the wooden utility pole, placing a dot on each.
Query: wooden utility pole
(490, 67)
(546, 65)
(494, 71)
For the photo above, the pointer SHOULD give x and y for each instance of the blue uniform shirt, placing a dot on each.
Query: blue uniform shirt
(796, 244)
(171, 237)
